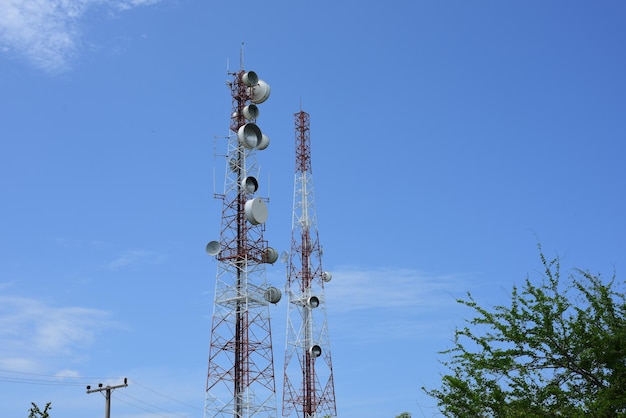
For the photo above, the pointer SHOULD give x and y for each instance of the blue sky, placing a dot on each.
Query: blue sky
(448, 138)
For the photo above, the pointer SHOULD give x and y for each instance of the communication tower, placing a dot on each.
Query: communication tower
(240, 379)
(309, 389)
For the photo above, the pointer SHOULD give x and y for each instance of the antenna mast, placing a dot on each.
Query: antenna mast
(309, 389)
(240, 379)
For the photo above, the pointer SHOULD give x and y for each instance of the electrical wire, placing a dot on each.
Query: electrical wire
(140, 407)
(45, 379)
(37, 382)
(165, 396)
(125, 395)
(29, 378)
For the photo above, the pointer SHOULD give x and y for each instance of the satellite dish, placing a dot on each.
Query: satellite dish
(315, 351)
(249, 135)
(313, 302)
(256, 211)
(265, 142)
(250, 79)
(251, 112)
(250, 184)
(272, 295)
(213, 248)
(284, 257)
(326, 276)
(270, 255)
(259, 93)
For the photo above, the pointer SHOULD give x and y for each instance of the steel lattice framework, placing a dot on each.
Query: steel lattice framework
(240, 379)
(308, 389)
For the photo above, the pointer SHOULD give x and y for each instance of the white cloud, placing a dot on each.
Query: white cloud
(136, 258)
(370, 305)
(31, 329)
(129, 4)
(356, 289)
(67, 373)
(46, 31)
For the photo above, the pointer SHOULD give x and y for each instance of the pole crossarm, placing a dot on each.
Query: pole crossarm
(107, 396)
(102, 388)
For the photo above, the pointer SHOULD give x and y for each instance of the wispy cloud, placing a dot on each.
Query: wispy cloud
(136, 258)
(46, 32)
(31, 329)
(373, 304)
(381, 288)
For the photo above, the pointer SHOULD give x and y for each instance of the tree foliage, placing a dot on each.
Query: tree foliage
(559, 349)
(35, 412)
(404, 415)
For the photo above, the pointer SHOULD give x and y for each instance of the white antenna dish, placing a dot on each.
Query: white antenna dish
(273, 295)
(315, 351)
(213, 248)
(264, 143)
(250, 79)
(256, 211)
(250, 184)
(260, 92)
(250, 135)
(284, 257)
(251, 112)
(326, 276)
(270, 255)
(313, 302)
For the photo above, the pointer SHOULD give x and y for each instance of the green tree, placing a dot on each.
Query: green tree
(35, 412)
(559, 349)
(404, 415)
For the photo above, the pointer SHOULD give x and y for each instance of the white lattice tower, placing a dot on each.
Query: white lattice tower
(308, 389)
(240, 379)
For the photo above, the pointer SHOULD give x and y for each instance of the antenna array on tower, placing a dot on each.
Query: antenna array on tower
(240, 379)
(308, 389)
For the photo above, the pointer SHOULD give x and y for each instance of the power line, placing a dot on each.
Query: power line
(41, 379)
(167, 397)
(142, 408)
(124, 395)
(56, 376)
(38, 382)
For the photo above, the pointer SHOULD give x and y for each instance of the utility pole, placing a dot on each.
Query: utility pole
(107, 395)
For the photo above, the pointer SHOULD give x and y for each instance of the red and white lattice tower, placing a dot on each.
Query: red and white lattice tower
(240, 380)
(308, 389)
